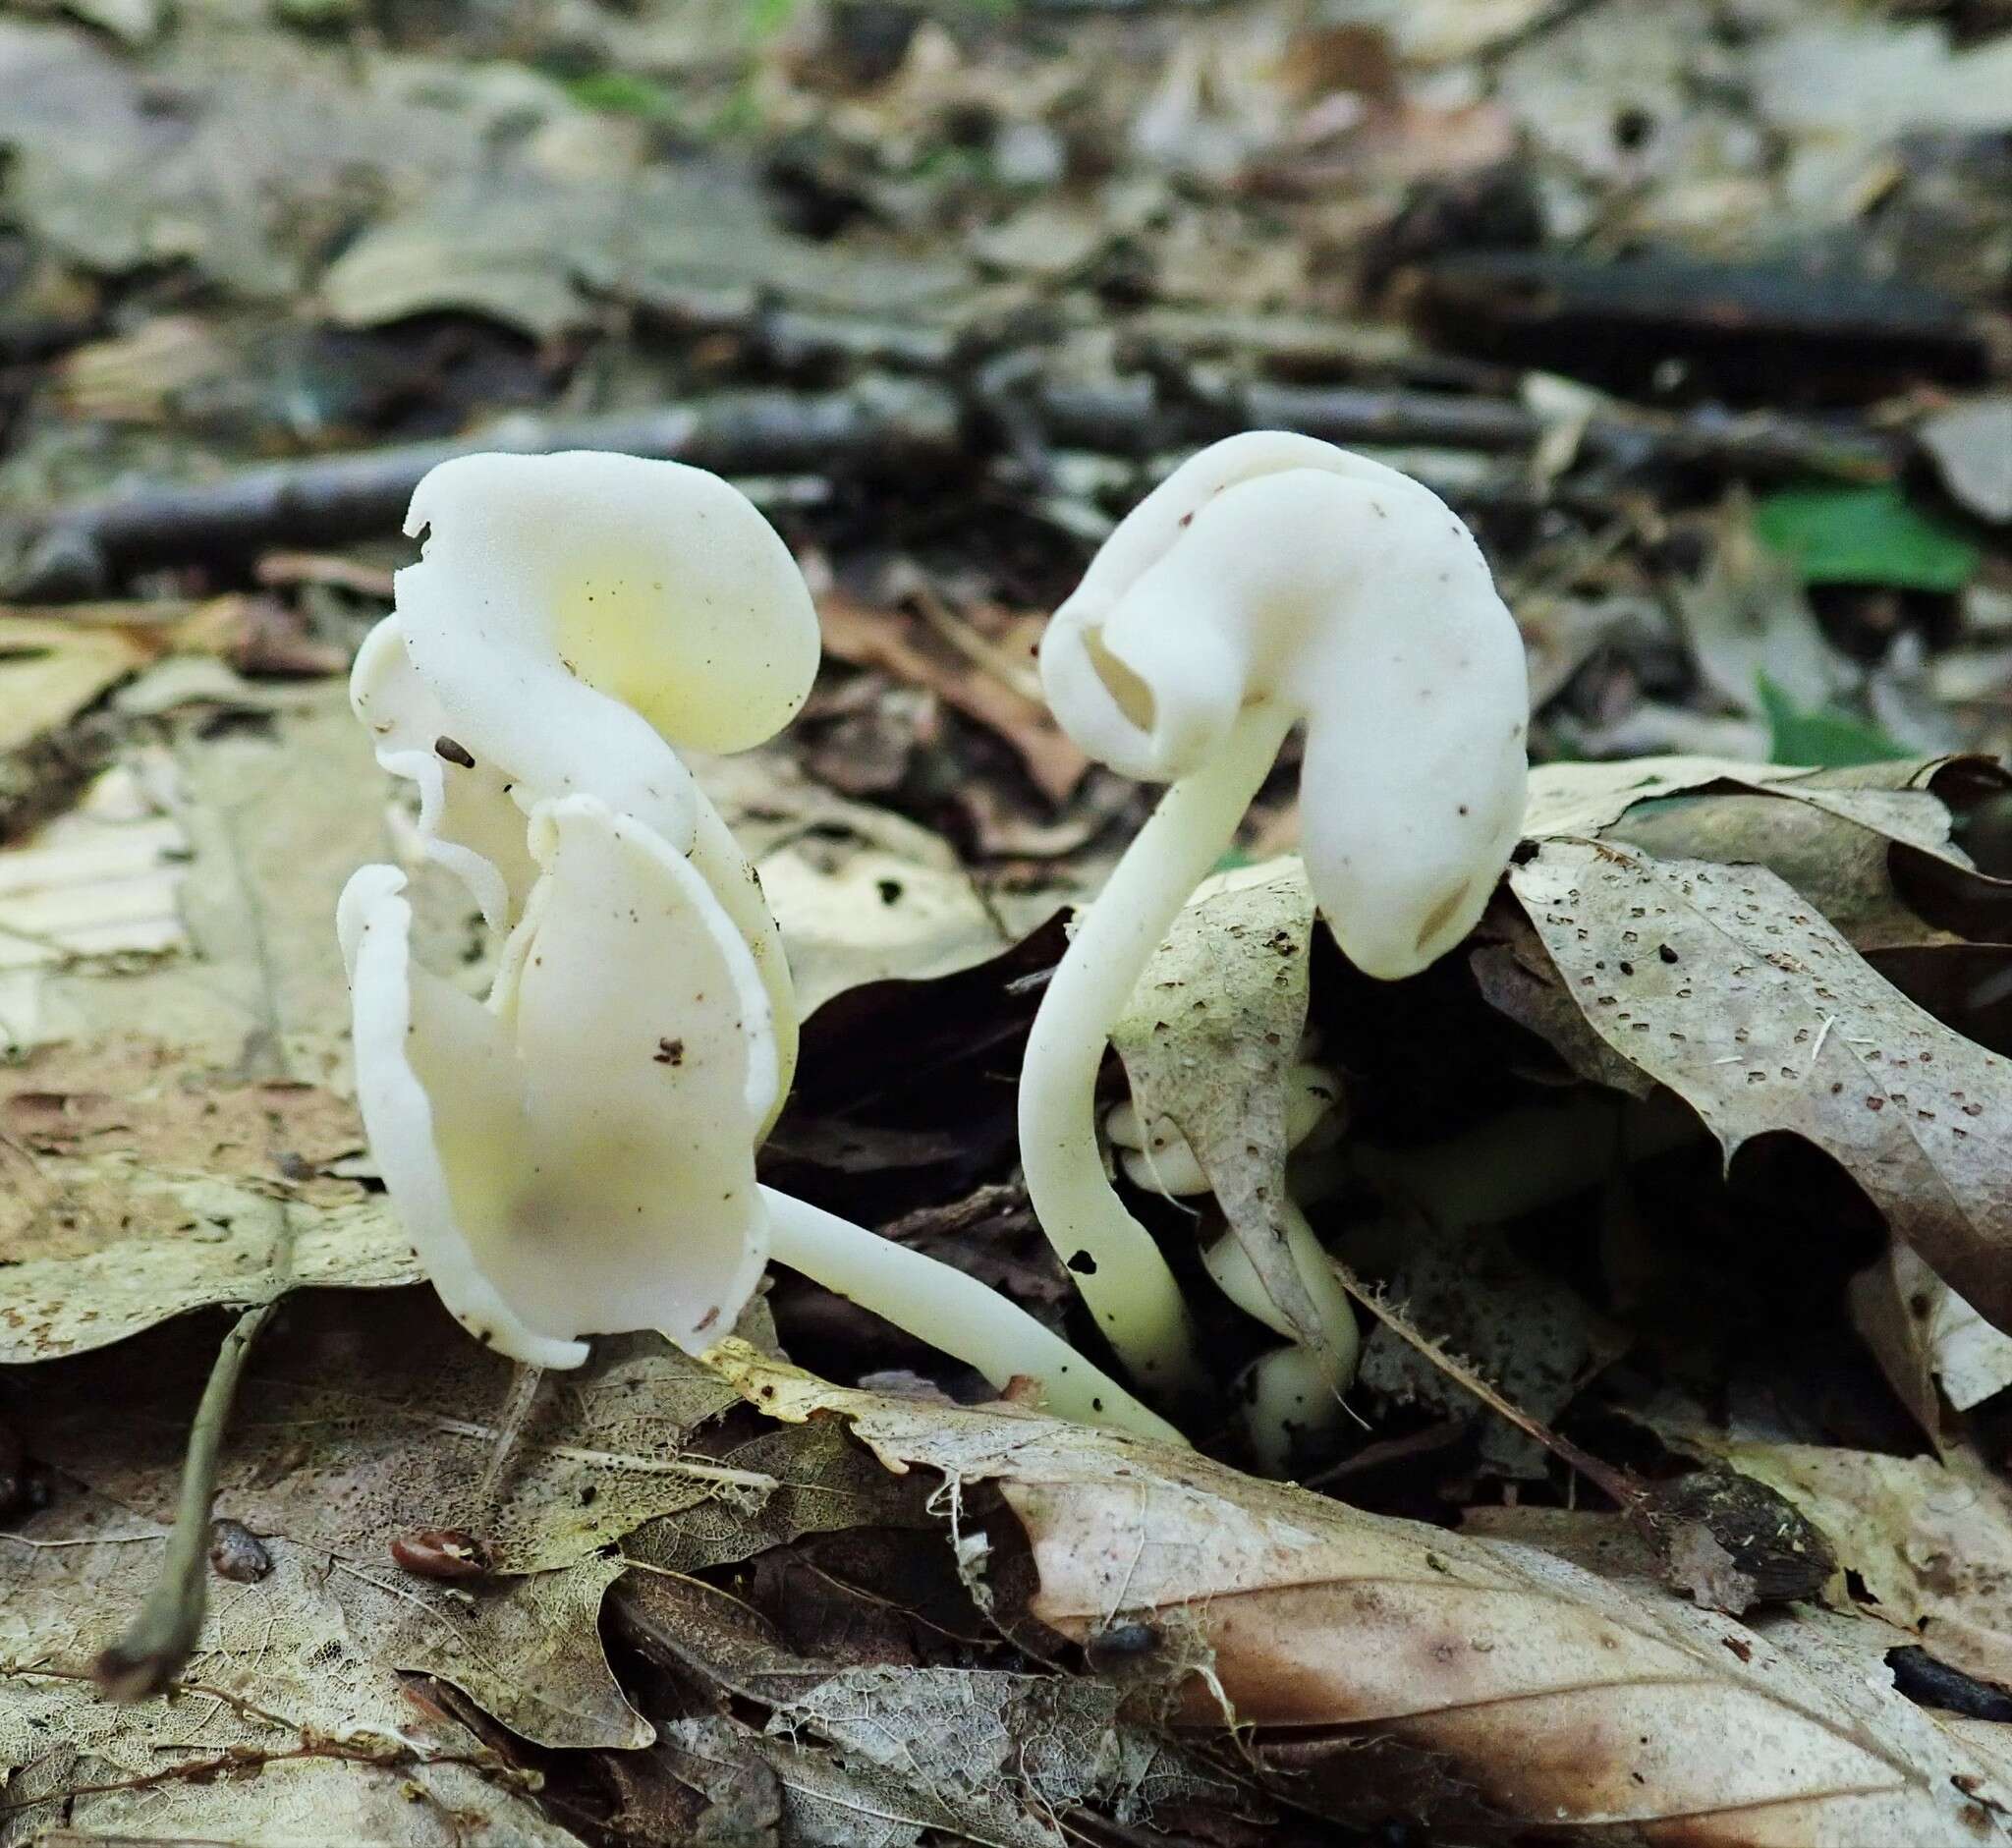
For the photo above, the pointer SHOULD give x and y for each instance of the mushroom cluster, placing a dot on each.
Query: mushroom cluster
(575, 1155)
(1269, 581)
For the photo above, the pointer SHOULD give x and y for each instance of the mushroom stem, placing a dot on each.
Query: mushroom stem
(1116, 1265)
(1237, 1277)
(951, 1311)
(1292, 1395)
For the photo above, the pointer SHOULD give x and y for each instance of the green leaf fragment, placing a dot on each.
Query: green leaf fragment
(1825, 738)
(1864, 535)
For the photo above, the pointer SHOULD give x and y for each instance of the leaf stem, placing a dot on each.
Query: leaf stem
(151, 1653)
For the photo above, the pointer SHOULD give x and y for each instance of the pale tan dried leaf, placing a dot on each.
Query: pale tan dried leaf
(1920, 1332)
(50, 670)
(358, 1759)
(860, 893)
(1208, 1039)
(204, 1086)
(1546, 1699)
(1726, 985)
(824, 1485)
(101, 881)
(1894, 801)
(353, 1429)
(850, 917)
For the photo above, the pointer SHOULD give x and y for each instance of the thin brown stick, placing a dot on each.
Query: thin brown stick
(75, 548)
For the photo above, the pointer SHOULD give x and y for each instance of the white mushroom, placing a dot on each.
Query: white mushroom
(469, 821)
(1285, 1403)
(578, 1155)
(633, 606)
(1268, 580)
(574, 622)
(1158, 1160)
(1290, 1395)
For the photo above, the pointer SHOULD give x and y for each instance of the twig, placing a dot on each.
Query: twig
(1134, 416)
(517, 1406)
(1625, 1491)
(74, 549)
(244, 1708)
(147, 1657)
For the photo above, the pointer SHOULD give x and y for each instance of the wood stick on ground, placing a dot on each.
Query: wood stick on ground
(74, 550)
(1136, 416)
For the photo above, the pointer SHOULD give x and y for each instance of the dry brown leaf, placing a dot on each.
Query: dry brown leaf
(1930, 1541)
(288, 1666)
(1518, 1694)
(988, 1755)
(1726, 985)
(892, 642)
(355, 1431)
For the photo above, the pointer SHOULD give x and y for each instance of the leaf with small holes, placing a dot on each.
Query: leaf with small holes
(1725, 984)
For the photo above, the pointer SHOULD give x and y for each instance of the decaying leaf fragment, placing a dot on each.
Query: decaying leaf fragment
(1501, 1690)
(988, 1755)
(1931, 1541)
(1924, 1335)
(1725, 984)
(1208, 1040)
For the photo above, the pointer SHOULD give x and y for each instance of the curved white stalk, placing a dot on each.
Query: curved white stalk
(1116, 1265)
(1237, 1277)
(952, 1310)
(1291, 1395)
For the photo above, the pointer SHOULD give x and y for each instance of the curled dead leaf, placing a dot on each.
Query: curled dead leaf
(1498, 1691)
(1728, 986)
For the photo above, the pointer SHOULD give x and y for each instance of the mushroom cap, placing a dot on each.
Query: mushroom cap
(659, 585)
(1159, 727)
(578, 616)
(578, 1156)
(1355, 599)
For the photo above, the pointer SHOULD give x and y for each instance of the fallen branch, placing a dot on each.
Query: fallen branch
(76, 549)
(1140, 416)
